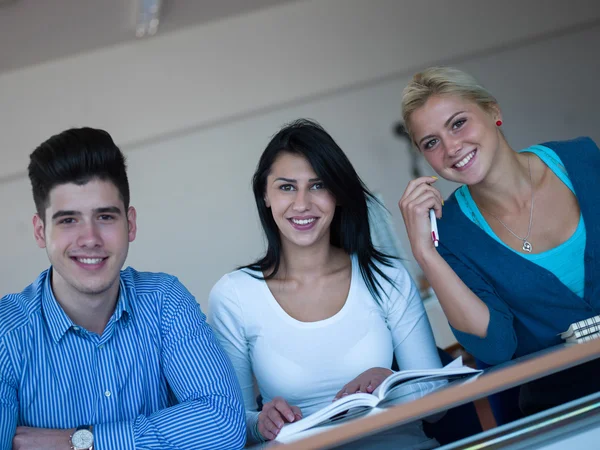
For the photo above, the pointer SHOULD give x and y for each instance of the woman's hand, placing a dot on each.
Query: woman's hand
(274, 414)
(367, 382)
(418, 198)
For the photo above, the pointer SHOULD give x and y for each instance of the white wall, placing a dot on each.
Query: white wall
(211, 73)
(196, 215)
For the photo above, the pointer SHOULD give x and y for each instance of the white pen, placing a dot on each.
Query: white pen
(435, 235)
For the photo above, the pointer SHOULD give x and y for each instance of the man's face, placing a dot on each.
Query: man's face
(86, 235)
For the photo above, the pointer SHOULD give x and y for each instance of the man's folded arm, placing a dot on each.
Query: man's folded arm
(208, 422)
(210, 412)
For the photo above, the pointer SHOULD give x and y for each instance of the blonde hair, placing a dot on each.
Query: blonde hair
(442, 81)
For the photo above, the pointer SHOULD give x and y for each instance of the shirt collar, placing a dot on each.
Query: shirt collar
(57, 320)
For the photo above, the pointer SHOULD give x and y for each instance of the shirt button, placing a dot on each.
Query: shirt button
(76, 328)
(101, 346)
(107, 393)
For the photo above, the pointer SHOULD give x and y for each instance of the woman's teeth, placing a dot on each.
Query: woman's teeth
(465, 160)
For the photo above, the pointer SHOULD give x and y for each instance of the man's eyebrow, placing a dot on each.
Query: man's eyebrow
(64, 213)
(108, 209)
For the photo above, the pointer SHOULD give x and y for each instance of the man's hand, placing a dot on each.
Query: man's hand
(29, 438)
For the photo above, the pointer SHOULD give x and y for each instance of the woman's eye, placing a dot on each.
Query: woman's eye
(317, 186)
(286, 187)
(429, 144)
(459, 123)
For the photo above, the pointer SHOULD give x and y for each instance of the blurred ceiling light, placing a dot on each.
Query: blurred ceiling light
(148, 16)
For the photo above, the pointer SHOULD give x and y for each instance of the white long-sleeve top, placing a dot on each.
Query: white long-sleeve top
(307, 363)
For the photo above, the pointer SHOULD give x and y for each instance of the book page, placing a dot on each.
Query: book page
(412, 390)
(346, 407)
(454, 368)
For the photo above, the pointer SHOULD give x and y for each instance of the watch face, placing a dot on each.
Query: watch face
(82, 439)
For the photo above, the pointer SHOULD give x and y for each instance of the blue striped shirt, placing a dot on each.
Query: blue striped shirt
(155, 379)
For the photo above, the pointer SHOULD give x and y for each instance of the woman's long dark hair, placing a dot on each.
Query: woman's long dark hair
(350, 224)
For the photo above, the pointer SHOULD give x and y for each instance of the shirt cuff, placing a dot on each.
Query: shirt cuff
(110, 436)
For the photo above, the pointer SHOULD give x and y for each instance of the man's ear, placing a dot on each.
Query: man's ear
(131, 223)
(39, 229)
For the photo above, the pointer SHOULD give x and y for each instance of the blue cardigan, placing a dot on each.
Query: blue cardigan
(528, 305)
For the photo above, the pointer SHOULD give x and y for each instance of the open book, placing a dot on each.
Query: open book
(400, 387)
(583, 331)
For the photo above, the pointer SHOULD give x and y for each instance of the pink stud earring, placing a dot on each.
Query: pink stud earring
(498, 123)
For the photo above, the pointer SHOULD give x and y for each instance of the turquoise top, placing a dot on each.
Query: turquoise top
(564, 261)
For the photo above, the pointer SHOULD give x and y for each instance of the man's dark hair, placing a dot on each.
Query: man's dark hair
(77, 156)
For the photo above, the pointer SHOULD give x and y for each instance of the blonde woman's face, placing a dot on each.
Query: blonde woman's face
(457, 137)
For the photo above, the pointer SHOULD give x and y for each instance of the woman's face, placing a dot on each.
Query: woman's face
(300, 203)
(457, 137)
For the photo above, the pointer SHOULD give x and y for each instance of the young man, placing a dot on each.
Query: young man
(95, 357)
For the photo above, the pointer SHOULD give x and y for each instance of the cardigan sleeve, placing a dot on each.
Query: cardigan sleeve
(500, 343)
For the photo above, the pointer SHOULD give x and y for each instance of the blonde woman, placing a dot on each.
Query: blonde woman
(518, 258)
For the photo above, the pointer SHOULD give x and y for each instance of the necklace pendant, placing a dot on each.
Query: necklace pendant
(527, 246)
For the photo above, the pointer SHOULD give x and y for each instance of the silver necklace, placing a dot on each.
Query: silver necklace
(527, 247)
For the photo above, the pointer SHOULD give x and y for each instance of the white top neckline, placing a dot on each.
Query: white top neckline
(274, 304)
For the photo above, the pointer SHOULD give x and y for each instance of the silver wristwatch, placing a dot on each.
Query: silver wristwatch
(83, 438)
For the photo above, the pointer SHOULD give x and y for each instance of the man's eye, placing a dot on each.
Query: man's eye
(106, 217)
(66, 221)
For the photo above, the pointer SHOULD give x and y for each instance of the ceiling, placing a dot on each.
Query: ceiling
(36, 31)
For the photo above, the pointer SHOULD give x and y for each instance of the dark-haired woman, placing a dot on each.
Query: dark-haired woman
(323, 313)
